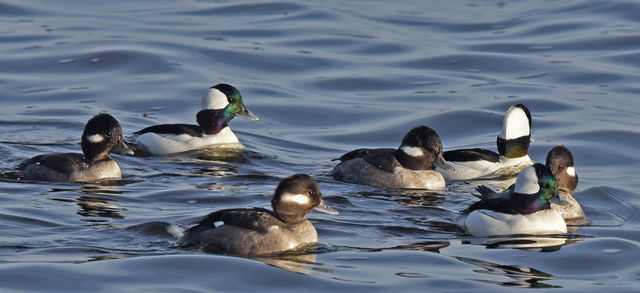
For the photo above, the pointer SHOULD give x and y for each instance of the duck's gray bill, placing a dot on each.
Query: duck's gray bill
(323, 207)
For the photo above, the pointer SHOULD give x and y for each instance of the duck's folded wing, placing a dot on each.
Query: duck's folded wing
(383, 159)
(486, 192)
(64, 163)
(466, 155)
(501, 205)
(257, 219)
(193, 130)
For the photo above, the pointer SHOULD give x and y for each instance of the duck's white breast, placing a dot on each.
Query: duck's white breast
(482, 223)
(164, 144)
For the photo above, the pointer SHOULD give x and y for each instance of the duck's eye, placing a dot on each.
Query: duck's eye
(231, 100)
(562, 167)
(311, 192)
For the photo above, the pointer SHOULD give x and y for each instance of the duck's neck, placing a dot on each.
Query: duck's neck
(294, 218)
(513, 148)
(213, 121)
(529, 203)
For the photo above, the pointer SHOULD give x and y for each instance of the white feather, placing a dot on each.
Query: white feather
(467, 170)
(412, 151)
(296, 198)
(169, 144)
(482, 223)
(516, 124)
(571, 171)
(95, 138)
(214, 99)
(527, 181)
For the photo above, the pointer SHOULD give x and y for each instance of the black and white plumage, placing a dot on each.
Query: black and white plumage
(412, 165)
(512, 143)
(101, 135)
(258, 231)
(560, 161)
(219, 106)
(525, 210)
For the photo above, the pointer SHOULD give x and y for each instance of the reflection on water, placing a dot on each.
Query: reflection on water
(296, 262)
(98, 207)
(519, 276)
(533, 243)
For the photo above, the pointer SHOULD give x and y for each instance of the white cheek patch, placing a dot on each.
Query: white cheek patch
(412, 151)
(516, 124)
(295, 198)
(95, 138)
(571, 171)
(527, 181)
(214, 99)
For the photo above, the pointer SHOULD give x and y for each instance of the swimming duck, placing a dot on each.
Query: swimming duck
(526, 210)
(412, 165)
(101, 135)
(257, 231)
(513, 144)
(219, 106)
(560, 161)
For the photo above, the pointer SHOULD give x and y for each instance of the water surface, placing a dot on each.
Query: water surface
(324, 78)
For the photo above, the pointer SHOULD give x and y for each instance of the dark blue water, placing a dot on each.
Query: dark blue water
(324, 77)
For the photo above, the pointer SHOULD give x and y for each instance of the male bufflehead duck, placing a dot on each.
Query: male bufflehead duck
(257, 231)
(560, 161)
(412, 165)
(101, 135)
(219, 106)
(513, 144)
(527, 210)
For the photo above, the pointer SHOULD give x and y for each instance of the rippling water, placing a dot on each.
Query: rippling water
(325, 78)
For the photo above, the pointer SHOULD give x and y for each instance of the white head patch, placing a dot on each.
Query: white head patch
(412, 151)
(516, 124)
(214, 99)
(296, 198)
(571, 171)
(95, 138)
(527, 181)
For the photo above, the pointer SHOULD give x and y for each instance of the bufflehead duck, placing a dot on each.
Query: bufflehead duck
(101, 135)
(560, 161)
(526, 211)
(257, 231)
(513, 144)
(219, 106)
(412, 165)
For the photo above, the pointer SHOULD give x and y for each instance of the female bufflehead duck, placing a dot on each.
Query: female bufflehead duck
(259, 231)
(219, 106)
(526, 211)
(512, 157)
(412, 165)
(560, 161)
(101, 135)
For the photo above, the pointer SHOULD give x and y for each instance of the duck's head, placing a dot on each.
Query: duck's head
(221, 103)
(513, 141)
(101, 135)
(538, 180)
(560, 161)
(421, 149)
(296, 196)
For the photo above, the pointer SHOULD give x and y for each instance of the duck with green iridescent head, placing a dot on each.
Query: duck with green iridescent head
(221, 103)
(526, 210)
